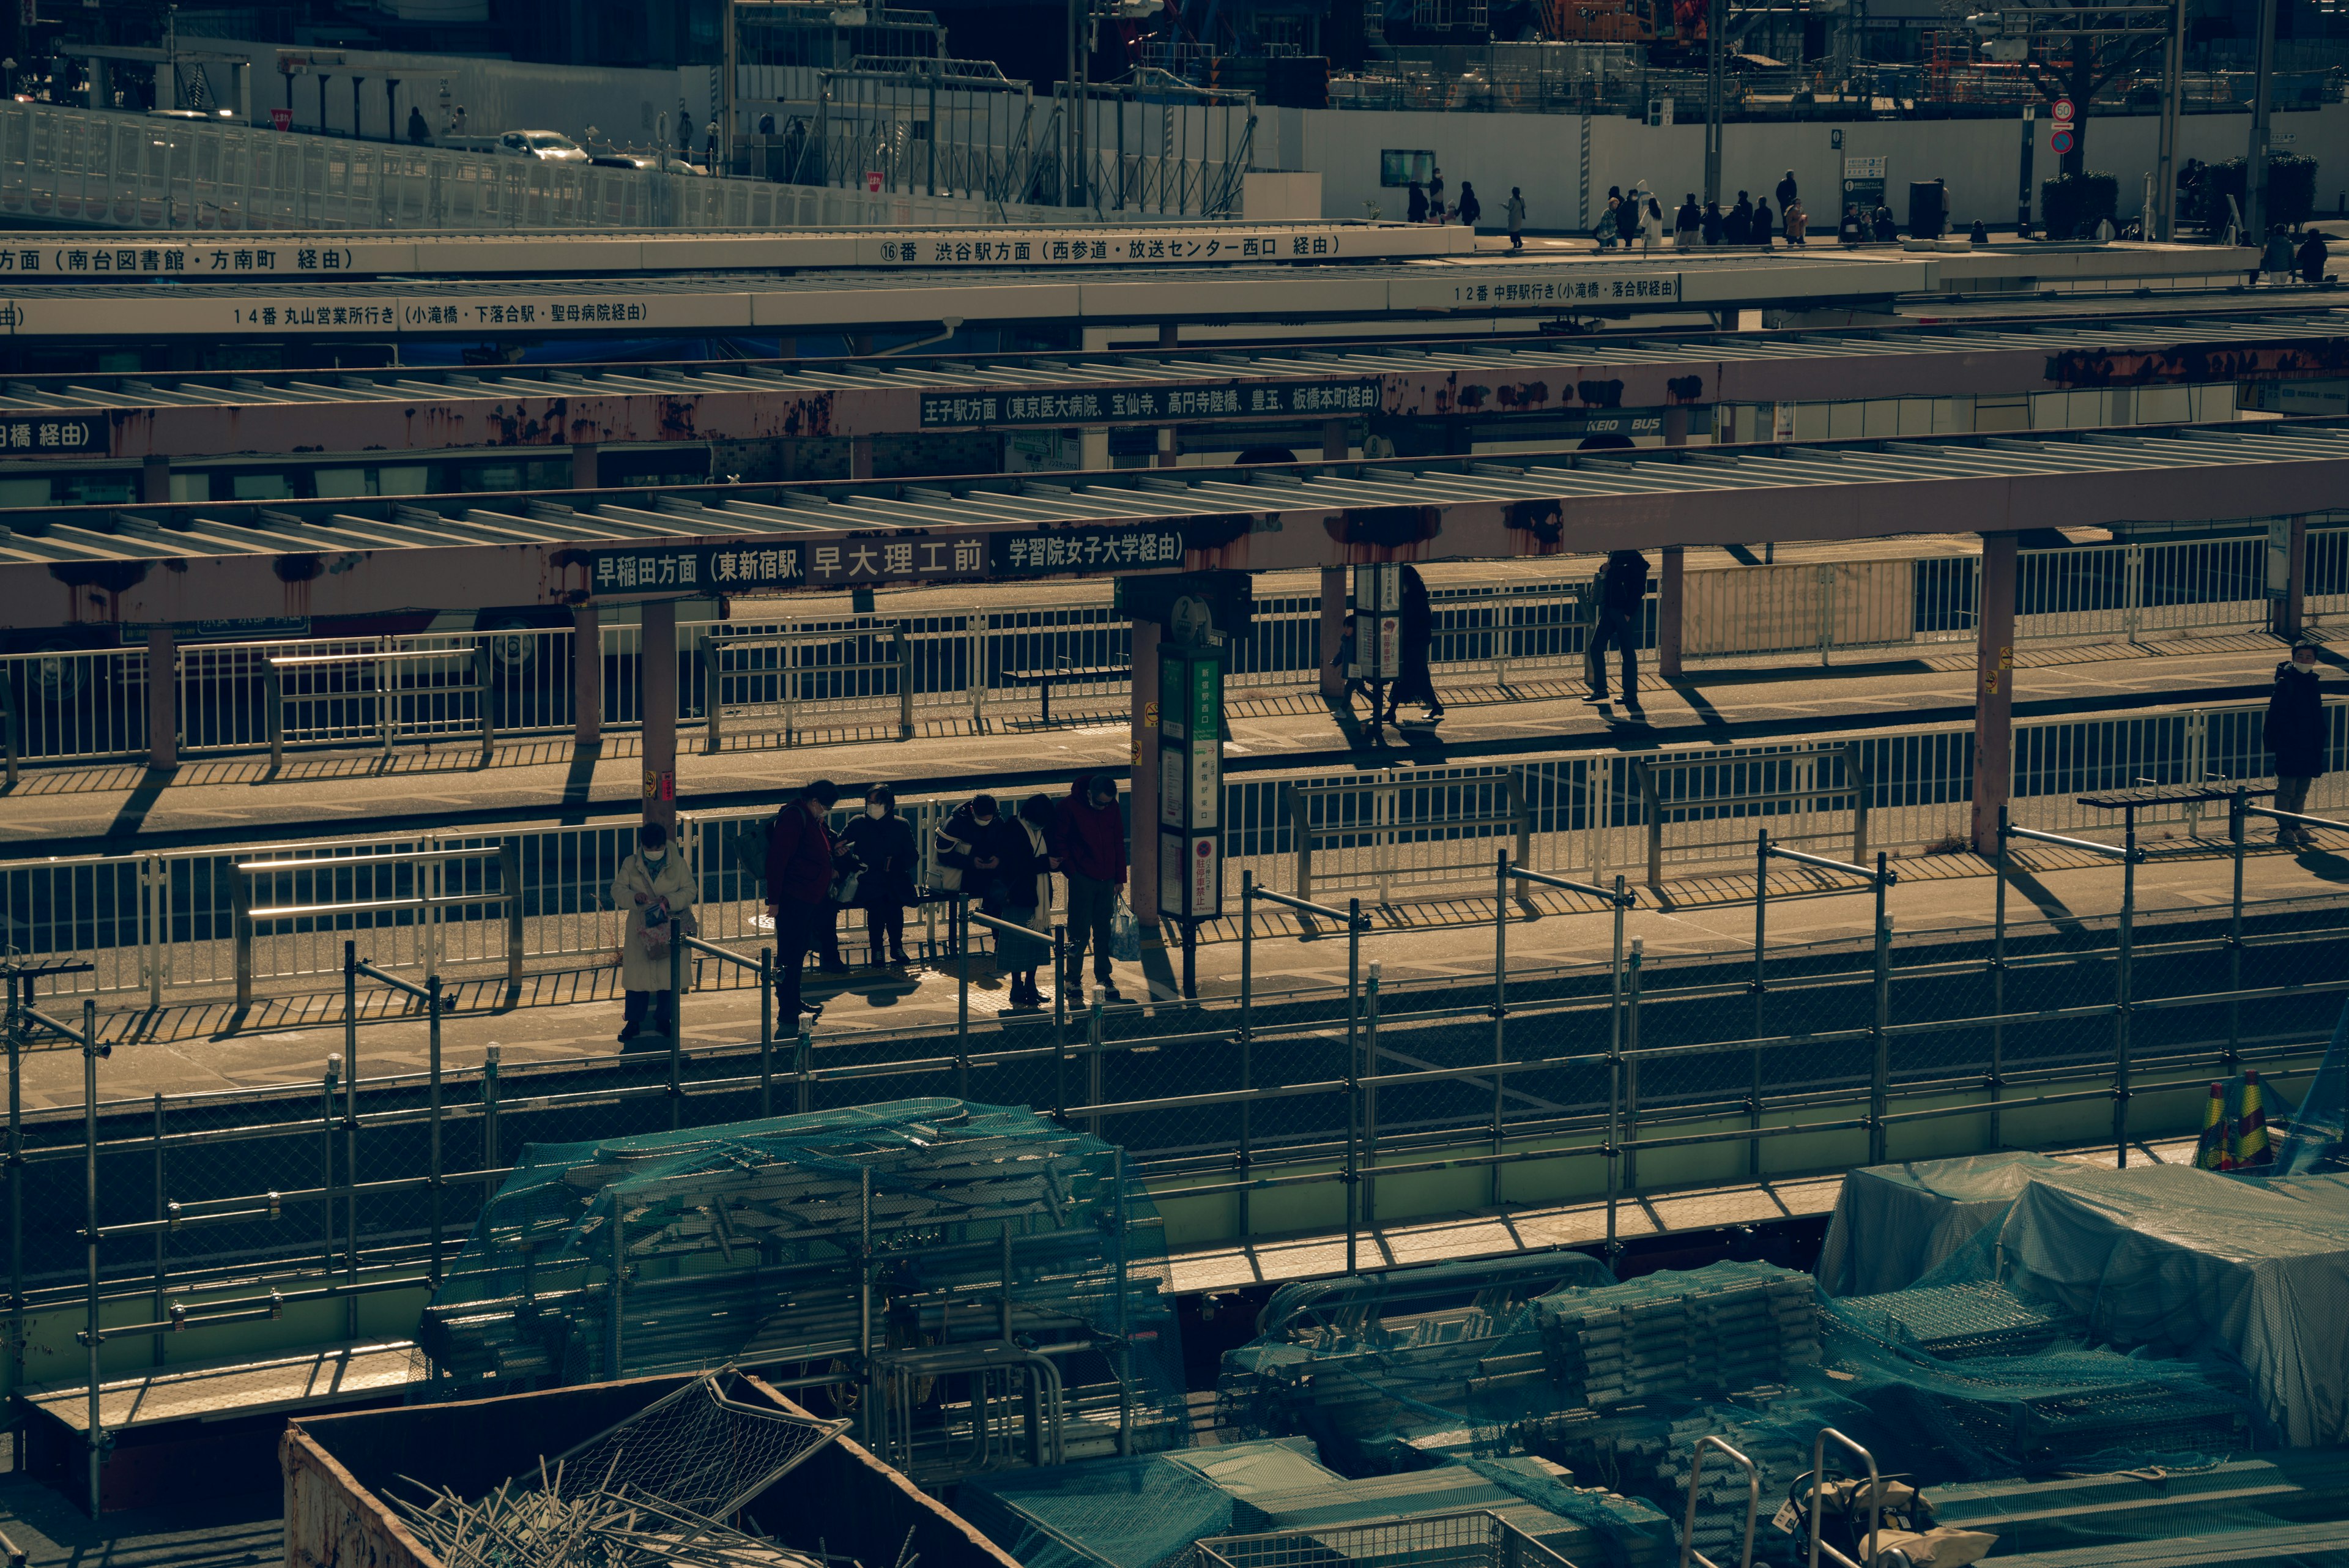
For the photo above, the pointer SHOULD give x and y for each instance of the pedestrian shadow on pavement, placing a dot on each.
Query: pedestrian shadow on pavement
(2323, 865)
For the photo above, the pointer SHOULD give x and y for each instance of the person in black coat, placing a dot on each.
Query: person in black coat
(1737, 223)
(882, 844)
(1415, 636)
(971, 849)
(2295, 733)
(1415, 209)
(1620, 592)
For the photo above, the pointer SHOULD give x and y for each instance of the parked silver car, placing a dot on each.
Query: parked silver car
(547, 146)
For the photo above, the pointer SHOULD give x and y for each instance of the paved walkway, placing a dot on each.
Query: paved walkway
(119, 808)
(574, 1014)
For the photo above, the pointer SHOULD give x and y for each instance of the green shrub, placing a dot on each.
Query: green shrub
(2291, 186)
(2070, 204)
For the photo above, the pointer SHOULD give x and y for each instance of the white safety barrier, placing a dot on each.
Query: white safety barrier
(167, 924)
(85, 705)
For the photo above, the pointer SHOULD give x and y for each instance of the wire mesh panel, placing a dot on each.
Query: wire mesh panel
(1479, 1539)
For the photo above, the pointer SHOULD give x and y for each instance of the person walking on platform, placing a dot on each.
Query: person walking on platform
(2295, 733)
(1622, 590)
(1415, 643)
(1471, 209)
(1687, 223)
(798, 893)
(1787, 192)
(1088, 844)
(655, 891)
(1760, 231)
(1514, 215)
(1415, 204)
(1737, 223)
(1713, 225)
(883, 842)
(1797, 221)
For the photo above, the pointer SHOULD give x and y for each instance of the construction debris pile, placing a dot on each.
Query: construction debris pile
(1382, 1387)
(657, 1490)
(823, 1241)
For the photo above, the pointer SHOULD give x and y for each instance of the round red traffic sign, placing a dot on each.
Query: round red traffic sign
(2061, 142)
(2063, 109)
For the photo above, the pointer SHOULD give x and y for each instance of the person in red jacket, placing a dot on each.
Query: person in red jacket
(798, 893)
(1088, 842)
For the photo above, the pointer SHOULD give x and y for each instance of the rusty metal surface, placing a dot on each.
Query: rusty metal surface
(64, 565)
(404, 409)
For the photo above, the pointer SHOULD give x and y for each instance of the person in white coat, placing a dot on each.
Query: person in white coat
(656, 891)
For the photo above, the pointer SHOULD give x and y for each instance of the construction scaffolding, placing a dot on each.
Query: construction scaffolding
(977, 1285)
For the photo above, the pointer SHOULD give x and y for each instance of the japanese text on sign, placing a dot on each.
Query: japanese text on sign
(1641, 288)
(1086, 549)
(70, 263)
(1046, 249)
(45, 434)
(1149, 404)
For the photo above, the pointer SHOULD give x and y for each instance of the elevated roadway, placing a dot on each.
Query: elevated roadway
(1625, 383)
(160, 565)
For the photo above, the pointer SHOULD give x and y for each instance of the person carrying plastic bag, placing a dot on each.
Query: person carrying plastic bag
(1089, 848)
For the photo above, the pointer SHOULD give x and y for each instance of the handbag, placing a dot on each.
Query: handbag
(844, 887)
(1124, 933)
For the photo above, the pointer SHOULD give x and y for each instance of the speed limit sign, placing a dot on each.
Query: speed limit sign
(2064, 111)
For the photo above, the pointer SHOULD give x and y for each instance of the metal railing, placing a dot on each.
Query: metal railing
(424, 902)
(1689, 1554)
(391, 692)
(1795, 783)
(90, 704)
(166, 923)
(774, 676)
(1562, 1086)
(1392, 830)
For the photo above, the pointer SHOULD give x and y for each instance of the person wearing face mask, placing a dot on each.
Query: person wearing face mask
(2295, 733)
(970, 856)
(1088, 842)
(883, 842)
(655, 891)
(1029, 896)
(798, 893)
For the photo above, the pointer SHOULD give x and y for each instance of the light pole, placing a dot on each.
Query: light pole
(1717, 18)
(2255, 169)
(2165, 189)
